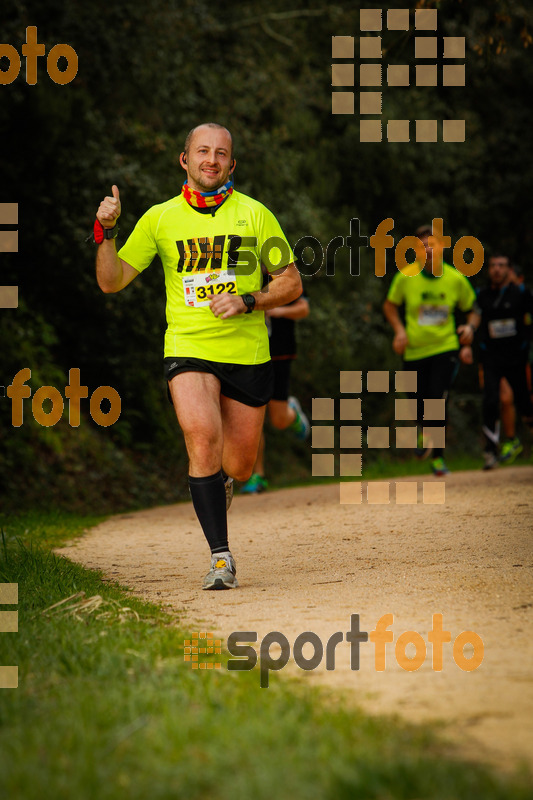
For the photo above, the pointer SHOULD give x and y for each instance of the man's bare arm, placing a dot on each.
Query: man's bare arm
(285, 287)
(466, 331)
(297, 310)
(392, 314)
(112, 273)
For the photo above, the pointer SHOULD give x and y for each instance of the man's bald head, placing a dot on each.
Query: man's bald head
(197, 130)
(208, 157)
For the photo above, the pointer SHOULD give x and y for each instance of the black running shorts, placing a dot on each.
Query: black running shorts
(250, 384)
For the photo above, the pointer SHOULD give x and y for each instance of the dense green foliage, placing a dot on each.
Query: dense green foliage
(149, 72)
(106, 707)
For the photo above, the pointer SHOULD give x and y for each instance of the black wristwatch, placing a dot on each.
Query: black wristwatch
(249, 302)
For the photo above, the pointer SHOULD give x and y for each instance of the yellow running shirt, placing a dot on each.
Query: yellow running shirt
(204, 254)
(429, 305)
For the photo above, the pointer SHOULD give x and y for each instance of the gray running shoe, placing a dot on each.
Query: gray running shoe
(491, 460)
(222, 572)
(228, 485)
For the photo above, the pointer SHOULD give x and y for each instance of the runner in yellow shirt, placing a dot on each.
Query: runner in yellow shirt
(213, 243)
(428, 341)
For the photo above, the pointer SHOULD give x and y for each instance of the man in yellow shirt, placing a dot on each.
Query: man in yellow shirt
(213, 243)
(428, 341)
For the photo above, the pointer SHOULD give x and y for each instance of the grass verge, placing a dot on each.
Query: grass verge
(107, 708)
(386, 468)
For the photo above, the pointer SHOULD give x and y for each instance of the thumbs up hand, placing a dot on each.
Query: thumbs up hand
(109, 210)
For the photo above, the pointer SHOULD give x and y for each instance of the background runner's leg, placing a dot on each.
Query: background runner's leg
(491, 404)
(507, 409)
(443, 371)
(420, 366)
(281, 414)
(257, 481)
(515, 372)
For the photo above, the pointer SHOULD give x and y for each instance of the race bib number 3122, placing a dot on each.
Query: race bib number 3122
(198, 289)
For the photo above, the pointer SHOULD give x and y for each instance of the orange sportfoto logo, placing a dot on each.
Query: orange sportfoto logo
(74, 392)
(31, 50)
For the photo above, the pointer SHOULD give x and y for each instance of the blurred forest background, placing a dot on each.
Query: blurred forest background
(150, 71)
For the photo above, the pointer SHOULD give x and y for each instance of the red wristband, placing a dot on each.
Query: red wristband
(100, 233)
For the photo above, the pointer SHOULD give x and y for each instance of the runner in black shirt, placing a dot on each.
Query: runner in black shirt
(499, 313)
(284, 410)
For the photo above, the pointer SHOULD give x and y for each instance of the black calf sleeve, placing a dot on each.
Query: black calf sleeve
(209, 501)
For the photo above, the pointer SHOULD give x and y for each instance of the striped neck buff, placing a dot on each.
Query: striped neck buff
(207, 199)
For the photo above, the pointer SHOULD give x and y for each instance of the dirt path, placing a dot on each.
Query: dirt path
(306, 563)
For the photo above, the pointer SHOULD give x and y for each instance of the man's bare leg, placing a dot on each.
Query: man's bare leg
(242, 430)
(196, 397)
(218, 432)
(507, 409)
(281, 414)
